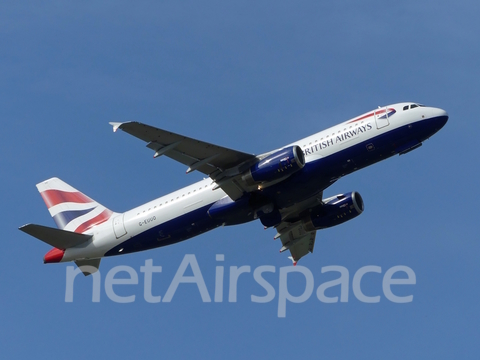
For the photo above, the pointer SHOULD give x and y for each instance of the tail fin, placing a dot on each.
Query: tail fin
(71, 210)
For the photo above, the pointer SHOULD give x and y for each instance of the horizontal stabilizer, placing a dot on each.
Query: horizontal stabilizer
(61, 239)
(88, 267)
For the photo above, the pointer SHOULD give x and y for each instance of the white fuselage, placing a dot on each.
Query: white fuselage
(122, 227)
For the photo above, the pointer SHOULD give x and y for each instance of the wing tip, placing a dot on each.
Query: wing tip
(293, 260)
(116, 125)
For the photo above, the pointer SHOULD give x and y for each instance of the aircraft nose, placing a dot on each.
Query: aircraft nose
(441, 118)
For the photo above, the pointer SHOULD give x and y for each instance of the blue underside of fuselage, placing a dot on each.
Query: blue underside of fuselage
(315, 177)
(178, 229)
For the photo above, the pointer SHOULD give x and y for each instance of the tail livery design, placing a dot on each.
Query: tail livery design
(74, 213)
(71, 210)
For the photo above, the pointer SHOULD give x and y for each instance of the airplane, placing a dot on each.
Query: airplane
(282, 188)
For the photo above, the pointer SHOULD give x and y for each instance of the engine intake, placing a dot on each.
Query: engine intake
(276, 166)
(334, 211)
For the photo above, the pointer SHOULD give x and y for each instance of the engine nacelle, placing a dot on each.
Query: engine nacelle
(276, 166)
(334, 211)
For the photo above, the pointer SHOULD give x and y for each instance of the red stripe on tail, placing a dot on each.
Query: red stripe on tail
(55, 197)
(100, 218)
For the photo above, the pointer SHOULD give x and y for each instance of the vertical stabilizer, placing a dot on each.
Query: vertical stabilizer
(71, 210)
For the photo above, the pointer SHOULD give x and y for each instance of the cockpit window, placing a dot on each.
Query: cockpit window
(412, 106)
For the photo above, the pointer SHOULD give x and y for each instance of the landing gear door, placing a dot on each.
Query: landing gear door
(381, 118)
(118, 226)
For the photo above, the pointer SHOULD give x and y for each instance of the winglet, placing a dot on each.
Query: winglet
(294, 262)
(115, 125)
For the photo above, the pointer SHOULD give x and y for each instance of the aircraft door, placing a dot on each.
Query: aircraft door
(381, 118)
(118, 226)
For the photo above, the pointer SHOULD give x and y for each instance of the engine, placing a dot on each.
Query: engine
(276, 166)
(334, 211)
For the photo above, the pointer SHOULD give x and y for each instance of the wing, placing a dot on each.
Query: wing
(221, 164)
(295, 238)
(292, 232)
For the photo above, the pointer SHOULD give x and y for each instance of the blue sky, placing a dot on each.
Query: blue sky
(252, 76)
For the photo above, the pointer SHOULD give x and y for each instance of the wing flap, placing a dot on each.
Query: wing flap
(61, 239)
(303, 246)
(296, 239)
